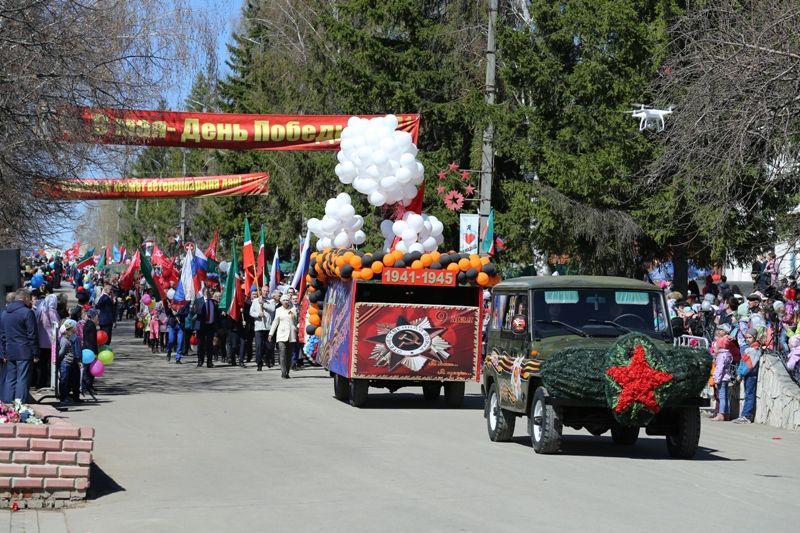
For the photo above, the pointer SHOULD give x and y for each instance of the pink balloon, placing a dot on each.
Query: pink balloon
(146, 299)
(97, 368)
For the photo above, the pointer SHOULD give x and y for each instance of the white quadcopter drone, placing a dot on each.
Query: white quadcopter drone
(650, 117)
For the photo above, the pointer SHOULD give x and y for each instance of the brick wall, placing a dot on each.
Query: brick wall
(44, 465)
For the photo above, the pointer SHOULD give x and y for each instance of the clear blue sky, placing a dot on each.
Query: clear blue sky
(225, 14)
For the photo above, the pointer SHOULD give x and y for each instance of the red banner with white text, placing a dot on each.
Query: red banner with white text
(223, 130)
(196, 187)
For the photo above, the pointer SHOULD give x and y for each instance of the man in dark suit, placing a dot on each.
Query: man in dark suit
(105, 306)
(208, 315)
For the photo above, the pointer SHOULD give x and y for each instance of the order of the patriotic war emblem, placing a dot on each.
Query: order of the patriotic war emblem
(410, 344)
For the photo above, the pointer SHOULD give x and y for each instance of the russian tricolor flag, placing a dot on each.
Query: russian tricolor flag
(185, 291)
(275, 272)
(299, 279)
(199, 268)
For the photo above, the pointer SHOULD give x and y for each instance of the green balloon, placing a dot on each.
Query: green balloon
(106, 357)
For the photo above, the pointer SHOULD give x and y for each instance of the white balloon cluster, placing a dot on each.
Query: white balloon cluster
(379, 161)
(340, 227)
(417, 233)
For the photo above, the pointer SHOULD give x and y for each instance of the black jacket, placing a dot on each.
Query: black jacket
(105, 306)
(201, 310)
(18, 332)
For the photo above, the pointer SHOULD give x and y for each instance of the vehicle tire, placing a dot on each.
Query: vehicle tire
(454, 393)
(683, 444)
(544, 424)
(624, 435)
(341, 388)
(499, 421)
(358, 392)
(431, 391)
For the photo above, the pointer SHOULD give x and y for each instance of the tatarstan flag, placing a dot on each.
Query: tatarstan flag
(87, 259)
(248, 258)
(232, 299)
(147, 272)
(101, 263)
(262, 260)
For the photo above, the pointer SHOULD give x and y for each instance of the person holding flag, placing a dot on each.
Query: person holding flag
(231, 303)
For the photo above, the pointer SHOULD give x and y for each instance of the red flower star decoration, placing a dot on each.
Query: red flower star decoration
(639, 382)
(454, 200)
(469, 190)
(442, 175)
(440, 190)
(453, 167)
(465, 175)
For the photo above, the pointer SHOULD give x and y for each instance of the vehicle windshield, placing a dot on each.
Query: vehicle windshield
(599, 313)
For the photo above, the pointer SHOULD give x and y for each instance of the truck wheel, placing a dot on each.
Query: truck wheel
(358, 392)
(431, 391)
(499, 422)
(341, 388)
(624, 435)
(683, 443)
(544, 424)
(454, 393)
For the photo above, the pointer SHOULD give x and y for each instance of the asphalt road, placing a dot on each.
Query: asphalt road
(180, 448)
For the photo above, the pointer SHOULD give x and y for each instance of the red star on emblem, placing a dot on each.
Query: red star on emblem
(453, 167)
(442, 175)
(639, 382)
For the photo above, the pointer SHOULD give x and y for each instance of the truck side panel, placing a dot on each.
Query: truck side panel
(416, 341)
(337, 332)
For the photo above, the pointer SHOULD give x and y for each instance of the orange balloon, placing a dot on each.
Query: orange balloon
(313, 310)
(355, 262)
(464, 265)
(416, 264)
(453, 267)
(318, 332)
(314, 320)
(482, 279)
(388, 260)
(366, 273)
(377, 267)
(485, 260)
(475, 263)
(427, 260)
(348, 256)
(435, 255)
(340, 261)
(314, 306)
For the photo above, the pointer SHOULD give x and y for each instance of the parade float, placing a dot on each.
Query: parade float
(407, 315)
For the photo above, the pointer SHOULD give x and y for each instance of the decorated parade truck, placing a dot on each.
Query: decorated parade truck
(390, 326)
(590, 352)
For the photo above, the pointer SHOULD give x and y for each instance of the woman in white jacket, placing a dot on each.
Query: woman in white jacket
(284, 332)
